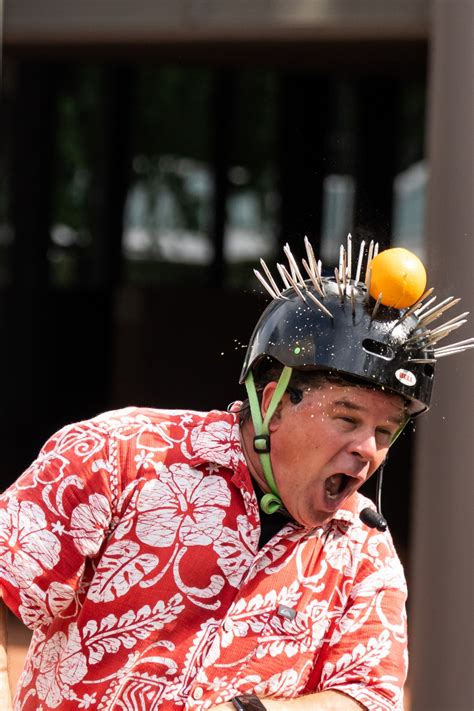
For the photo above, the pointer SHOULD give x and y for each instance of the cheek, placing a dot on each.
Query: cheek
(380, 458)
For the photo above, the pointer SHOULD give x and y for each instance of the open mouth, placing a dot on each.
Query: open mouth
(336, 485)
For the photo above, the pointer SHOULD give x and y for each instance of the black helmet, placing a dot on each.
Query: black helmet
(333, 323)
(352, 342)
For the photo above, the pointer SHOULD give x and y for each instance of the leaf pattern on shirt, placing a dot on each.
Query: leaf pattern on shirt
(39, 608)
(363, 658)
(236, 550)
(61, 665)
(121, 567)
(107, 635)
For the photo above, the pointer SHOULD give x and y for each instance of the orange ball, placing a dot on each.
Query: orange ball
(399, 275)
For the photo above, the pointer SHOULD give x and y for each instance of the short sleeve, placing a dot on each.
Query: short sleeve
(54, 518)
(366, 655)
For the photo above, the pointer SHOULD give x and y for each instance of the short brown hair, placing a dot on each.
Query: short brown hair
(268, 370)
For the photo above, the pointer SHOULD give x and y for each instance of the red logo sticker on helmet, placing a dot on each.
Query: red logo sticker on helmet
(406, 377)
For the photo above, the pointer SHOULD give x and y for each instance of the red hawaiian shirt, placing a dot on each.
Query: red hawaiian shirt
(130, 546)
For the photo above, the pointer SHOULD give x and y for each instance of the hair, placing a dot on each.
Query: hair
(268, 370)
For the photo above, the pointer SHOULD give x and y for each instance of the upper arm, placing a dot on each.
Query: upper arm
(52, 519)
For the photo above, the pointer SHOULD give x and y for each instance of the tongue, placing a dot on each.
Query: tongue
(335, 484)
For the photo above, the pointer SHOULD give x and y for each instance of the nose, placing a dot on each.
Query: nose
(365, 446)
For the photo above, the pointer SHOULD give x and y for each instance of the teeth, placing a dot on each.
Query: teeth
(335, 484)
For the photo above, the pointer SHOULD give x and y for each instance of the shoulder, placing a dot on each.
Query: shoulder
(137, 419)
(170, 424)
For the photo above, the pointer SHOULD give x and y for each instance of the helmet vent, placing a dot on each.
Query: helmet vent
(381, 350)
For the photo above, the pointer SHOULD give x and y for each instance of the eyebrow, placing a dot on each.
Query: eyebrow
(358, 408)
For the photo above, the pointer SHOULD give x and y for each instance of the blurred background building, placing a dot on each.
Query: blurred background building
(153, 151)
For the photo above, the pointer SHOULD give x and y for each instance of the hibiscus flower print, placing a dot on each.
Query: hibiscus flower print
(25, 545)
(183, 503)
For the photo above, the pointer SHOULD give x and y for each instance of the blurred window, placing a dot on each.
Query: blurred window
(338, 215)
(169, 204)
(409, 204)
(252, 201)
(78, 147)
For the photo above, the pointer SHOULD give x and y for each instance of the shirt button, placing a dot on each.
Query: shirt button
(227, 625)
(198, 692)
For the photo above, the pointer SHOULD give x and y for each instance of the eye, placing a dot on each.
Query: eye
(348, 420)
(385, 436)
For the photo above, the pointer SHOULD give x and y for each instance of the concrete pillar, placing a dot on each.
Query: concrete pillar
(441, 602)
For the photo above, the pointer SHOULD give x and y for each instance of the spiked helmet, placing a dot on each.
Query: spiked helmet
(342, 325)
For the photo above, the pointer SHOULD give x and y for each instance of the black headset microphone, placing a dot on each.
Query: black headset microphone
(371, 518)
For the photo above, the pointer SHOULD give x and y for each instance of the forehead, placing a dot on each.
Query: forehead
(351, 397)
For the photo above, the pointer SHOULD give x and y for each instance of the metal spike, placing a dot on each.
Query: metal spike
(295, 270)
(453, 351)
(422, 360)
(271, 279)
(338, 282)
(341, 252)
(368, 278)
(435, 313)
(359, 261)
(294, 283)
(349, 256)
(369, 259)
(439, 335)
(428, 335)
(446, 350)
(310, 254)
(320, 271)
(425, 306)
(438, 306)
(456, 345)
(314, 266)
(442, 326)
(313, 278)
(290, 261)
(376, 307)
(344, 271)
(265, 284)
(280, 268)
(320, 305)
(376, 249)
(412, 309)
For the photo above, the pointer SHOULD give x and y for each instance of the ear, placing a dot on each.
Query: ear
(267, 395)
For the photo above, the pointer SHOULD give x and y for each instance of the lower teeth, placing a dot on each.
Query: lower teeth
(334, 486)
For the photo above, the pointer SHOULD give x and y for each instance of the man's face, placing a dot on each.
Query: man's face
(325, 447)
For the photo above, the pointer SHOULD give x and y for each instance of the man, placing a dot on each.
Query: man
(177, 559)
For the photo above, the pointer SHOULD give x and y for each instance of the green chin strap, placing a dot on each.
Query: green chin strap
(270, 503)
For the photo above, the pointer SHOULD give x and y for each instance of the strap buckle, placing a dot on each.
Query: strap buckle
(261, 444)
